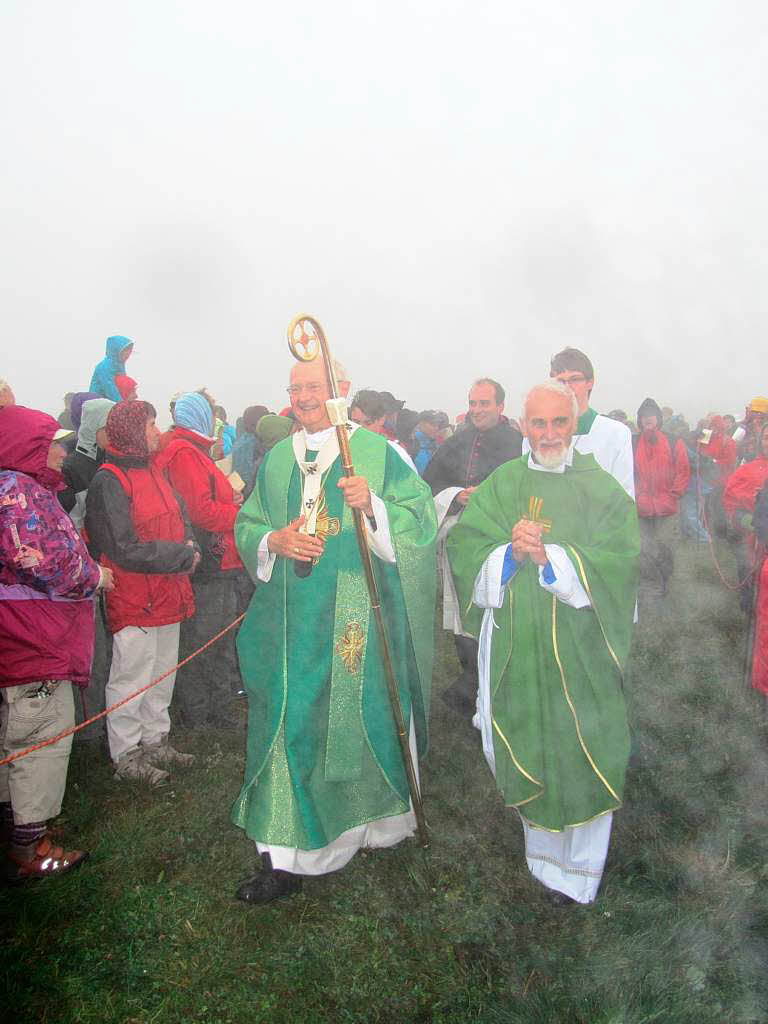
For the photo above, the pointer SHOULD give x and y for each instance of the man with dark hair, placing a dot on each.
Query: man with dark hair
(370, 410)
(498, 391)
(458, 466)
(607, 439)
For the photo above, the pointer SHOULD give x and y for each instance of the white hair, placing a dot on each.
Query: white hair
(558, 388)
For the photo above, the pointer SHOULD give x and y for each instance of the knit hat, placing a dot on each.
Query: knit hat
(650, 408)
(127, 428)
(193, 412)
(272, 429)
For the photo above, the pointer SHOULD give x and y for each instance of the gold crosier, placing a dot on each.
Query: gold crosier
(307, 341)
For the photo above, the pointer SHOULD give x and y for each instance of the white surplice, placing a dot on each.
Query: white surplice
(445, 523)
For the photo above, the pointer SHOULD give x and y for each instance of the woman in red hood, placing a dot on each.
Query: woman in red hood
(47, 582)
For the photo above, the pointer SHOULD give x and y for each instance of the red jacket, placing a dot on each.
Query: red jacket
(207, 494)
(662, 472)
(722, 449)
(136, 527)
(743, 486)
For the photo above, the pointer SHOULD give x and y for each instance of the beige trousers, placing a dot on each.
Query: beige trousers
(139, 656)
(35, 784)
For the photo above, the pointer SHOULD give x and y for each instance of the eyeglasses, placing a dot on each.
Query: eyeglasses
(312, 389)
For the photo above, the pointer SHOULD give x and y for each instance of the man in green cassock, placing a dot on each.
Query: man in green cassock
(544, 560)
(324, 773)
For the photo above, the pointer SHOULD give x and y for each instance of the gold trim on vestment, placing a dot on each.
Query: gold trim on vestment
(494, 689)
(573, 709)
(594, 608)
(517, 764)
(574, 824)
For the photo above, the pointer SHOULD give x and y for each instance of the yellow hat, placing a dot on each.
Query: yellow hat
(759, 404)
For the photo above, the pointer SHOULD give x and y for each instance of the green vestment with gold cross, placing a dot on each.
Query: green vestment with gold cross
(322, 752)
(560, 734)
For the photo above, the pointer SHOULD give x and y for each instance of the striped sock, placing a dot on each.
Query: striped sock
(6, 815)
(26, 835)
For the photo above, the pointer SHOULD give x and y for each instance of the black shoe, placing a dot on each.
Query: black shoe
(559, 899)
(268, 885)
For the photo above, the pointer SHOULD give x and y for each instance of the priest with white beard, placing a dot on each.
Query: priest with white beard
(544, 560)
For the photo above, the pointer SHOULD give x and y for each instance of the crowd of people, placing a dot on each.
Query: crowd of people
(124, 550)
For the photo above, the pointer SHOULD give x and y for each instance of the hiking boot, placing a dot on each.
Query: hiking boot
(268, 885)
(134, 765)
(40, 860)
(163, 755)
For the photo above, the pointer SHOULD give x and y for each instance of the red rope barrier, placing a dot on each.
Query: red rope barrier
(113, 707)
(701, 507)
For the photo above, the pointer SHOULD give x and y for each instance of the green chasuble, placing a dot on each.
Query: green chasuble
(560, 733)
(322, 753)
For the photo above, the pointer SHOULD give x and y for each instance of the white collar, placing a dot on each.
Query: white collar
(532, 464)
(315, 442)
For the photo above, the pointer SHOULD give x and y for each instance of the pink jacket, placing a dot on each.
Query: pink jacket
(47, 577)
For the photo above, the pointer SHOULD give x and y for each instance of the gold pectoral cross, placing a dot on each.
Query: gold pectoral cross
(535, 516)
(327, 526)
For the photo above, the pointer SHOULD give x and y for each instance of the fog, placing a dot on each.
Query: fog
(453, 189)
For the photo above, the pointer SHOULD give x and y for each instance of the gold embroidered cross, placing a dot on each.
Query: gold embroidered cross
(535, 516)
(350, 647)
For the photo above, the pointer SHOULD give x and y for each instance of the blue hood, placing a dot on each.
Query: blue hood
(115, 345)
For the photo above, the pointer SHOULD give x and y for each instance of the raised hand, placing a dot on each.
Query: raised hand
(290, 543)
(526, 542)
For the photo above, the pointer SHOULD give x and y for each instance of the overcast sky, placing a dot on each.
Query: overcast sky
(453, 189)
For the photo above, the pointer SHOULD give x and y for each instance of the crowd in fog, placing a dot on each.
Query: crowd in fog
(119, 557)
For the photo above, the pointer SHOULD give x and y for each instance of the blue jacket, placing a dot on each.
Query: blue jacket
(427, 448)
(103, 379)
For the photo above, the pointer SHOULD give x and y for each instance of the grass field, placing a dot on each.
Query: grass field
(148, 932)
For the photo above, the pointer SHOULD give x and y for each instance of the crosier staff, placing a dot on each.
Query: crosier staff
(306, 340)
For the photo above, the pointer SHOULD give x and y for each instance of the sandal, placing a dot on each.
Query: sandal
(47, 860)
